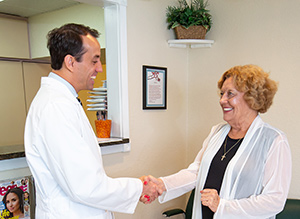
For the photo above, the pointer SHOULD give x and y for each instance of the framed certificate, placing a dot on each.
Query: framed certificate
(154, 87)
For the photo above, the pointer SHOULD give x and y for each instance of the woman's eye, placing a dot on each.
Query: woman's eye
(230, 94)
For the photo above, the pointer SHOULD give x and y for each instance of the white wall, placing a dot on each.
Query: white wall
(158, 138)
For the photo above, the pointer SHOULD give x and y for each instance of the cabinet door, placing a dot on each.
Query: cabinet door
(12, 110)
(32, 79)
(13, 38)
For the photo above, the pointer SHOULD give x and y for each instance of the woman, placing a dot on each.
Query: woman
(244, 167)
(13, 200)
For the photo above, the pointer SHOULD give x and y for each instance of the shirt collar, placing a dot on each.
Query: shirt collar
(68, 85)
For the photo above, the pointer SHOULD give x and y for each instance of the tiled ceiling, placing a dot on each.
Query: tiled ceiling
(28, 8)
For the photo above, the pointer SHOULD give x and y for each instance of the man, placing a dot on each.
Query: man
(61, 148)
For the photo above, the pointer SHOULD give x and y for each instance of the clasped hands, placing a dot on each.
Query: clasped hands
(152, 188)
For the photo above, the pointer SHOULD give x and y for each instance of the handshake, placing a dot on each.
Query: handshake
(152, 188)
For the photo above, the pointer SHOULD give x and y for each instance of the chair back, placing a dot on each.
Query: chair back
(189, 206)
(291, 210)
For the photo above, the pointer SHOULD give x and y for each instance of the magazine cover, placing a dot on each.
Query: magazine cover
(14, 198)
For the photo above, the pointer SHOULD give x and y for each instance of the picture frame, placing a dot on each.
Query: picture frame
(154, 87)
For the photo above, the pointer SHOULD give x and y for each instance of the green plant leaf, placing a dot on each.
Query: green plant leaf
(189, 15)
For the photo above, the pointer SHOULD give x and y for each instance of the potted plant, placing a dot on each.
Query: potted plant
(189, 21)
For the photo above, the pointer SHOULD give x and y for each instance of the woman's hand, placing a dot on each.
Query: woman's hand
(210, 198)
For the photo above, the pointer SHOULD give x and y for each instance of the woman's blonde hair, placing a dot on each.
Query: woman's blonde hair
(259, 89)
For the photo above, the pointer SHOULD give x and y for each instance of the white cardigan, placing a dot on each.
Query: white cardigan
(65, 159)
(256, 181)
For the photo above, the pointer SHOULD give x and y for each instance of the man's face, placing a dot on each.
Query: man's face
(87, 69)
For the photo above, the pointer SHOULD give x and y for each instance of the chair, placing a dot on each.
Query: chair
(291, 210)
(188, 210)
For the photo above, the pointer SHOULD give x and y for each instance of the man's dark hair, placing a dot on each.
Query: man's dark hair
(67, 40)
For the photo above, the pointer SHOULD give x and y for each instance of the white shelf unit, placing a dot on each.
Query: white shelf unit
(190, 43)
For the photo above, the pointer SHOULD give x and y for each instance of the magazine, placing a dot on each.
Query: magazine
(14, 198)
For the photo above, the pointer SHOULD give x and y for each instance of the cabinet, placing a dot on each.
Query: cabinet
(32, 79)
(12, 110)
(19, 82)
(14, 32)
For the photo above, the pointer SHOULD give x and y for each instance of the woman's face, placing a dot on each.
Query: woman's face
(235, 108)
(12, 202)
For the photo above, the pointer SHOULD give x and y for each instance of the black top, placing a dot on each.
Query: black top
(217, 169)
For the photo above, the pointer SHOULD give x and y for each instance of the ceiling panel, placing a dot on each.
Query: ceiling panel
(28, 8)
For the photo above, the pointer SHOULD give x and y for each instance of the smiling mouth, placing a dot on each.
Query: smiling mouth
(93, 77)
(227, 109)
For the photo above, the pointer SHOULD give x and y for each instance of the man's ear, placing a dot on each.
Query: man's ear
(69, 62)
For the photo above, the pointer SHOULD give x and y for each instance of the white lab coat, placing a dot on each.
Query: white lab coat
(65, 159)
(256, 181)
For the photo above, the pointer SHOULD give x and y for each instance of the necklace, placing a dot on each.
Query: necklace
(225, 152)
